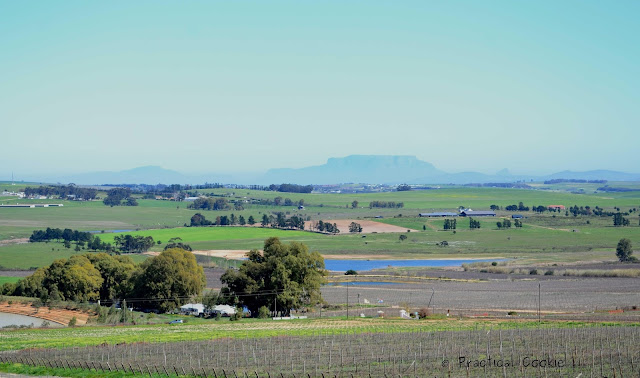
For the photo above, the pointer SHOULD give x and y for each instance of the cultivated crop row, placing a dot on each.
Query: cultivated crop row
(590, 351)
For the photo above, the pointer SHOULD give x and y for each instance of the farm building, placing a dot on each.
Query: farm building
(471, 213)
(516, 216)
(556, 207)
(436, 215)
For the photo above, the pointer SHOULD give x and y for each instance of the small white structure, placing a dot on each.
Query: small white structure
(224, 310)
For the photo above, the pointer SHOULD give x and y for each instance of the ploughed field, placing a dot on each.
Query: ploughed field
(491, 352)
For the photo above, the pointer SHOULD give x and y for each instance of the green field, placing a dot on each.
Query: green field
(8, 279)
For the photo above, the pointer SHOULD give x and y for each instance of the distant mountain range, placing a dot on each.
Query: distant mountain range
(371, 169)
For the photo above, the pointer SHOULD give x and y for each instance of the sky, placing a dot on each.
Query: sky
(244, 86)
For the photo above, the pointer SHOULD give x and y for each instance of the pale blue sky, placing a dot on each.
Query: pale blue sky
(211, 86)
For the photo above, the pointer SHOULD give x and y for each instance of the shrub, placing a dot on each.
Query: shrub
(424, 312)
(350, 272)
(512, 313)
(548, 273)
(494, 263)
(72, 322)
(263, 312)
(533, 272)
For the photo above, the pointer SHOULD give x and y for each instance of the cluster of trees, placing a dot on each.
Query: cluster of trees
(63, 192)
(281, 221)
(119, 197)
(327, 227)
(403, 188)
(474, 223)
(504, 224)
(450, 224)
(284, 277)
(131, 243)
(291, 188)
(494, 207)
(355, 227)
(619, 220)
(163, 282)
(519, 207)
(199, 220)
(210, 203)
(385, 204)
(67, 236)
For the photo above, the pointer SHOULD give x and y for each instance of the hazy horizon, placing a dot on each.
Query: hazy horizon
(218, 87)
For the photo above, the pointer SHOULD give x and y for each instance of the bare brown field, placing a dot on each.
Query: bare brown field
(56, 315)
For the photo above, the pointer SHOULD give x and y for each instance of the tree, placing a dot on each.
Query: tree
(115, 271)
(403, 188)
(265, 220)
(168, 280)
(354, 204)
(402, 237)
(624, 250)
(241, 220)
(473, 224)
(355, 227)
(285, 277)
(350, 272)
(251, 220)
(177, 243)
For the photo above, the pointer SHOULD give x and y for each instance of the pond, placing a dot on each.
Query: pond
(361, 265)
(23, 320)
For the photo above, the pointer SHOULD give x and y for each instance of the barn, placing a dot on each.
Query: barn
(472, 213)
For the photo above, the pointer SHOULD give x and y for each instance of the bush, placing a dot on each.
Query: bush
(533, 272)
(72, 322)
(512, 313)
(424, 312)
(237, 316)
(350, 272)
(494, 263)
(548, 273)
(263, 312)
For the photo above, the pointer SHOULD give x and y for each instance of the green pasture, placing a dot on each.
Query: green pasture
(34, 255)
(4, 280)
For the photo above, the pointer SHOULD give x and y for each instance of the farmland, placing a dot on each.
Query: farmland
(543, 238)
(412, 351)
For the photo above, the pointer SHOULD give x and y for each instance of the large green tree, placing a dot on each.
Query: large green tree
(285, 277)
(168, 280)
(624, 250)
(116, 272)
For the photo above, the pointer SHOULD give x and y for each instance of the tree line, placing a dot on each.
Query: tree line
(67, 236)
(123, 243)
(62, 192)
(163, 282)
(386, 204)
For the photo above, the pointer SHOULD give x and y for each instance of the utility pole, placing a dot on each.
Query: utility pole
(347, 301)
(539, 297)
